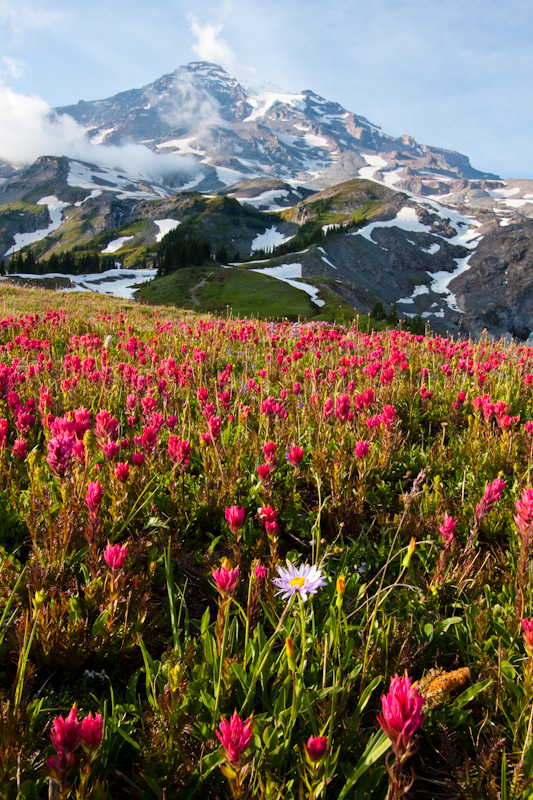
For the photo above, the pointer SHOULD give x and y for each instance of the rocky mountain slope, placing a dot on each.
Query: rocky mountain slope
(382, 218)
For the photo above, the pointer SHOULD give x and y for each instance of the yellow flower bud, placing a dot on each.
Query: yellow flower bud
(410, 550)
(341, 586)
(40, 597)
(289, 649)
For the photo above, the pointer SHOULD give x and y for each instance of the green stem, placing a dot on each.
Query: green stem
(302, 626)
(23, 660)
(247, 627)
(264, 656)
(222, 658)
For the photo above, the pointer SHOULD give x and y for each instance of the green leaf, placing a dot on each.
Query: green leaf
(365, 697)
(28, 790)
(470, 693)
(445, 624)
(503, 778)
(241, 675)
(155, 522)
(100, 622)
(207, 700)
(153, 786)
(169, 574)
(376, 747)
(204, 624)
(128, 738)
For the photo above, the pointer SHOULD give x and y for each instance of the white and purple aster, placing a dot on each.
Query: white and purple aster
(304, 580)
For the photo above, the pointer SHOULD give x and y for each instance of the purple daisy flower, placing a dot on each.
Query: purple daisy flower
(303, 580)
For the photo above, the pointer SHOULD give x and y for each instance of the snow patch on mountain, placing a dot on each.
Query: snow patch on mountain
(307, 140)
(500, 194)
(88, 176)
(391, 177)
(266, 201)
(432, 249)
(227, 176)
(441, 280)
(165, 226)
(117, 282)
(515, 203)
(465, 226)
(269, 239)
(99, 137)
(182, 146)
(375, 162)
(324, 259)
(94, 193)
(262, 103)
(55, 210)
(406, 219)
(288, 273)
(116, 244)
(417, 291)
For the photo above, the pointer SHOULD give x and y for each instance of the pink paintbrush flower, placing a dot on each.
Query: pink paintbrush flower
(235, 518)
(316, 747)
(225, 579)
(361, 450)
(402, 713)
(527, 627)
(66, 733)
(269, 451)
(235, 737)
(93, 497)
(524, 515)
(115, 555)
(122, 472)
(493, 492)
(295, 455)
(447, 528)
(60, 454)
(91, 731)
(179, 451)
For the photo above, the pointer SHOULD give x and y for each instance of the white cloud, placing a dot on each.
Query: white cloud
(209, 46)
(12, 67)
(30, 128)
(22, 16)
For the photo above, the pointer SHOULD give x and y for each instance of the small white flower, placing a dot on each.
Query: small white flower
(304, 580)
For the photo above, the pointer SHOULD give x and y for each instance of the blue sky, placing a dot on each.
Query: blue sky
(451, 73)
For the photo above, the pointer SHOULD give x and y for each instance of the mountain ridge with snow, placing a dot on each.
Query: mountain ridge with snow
(426, 236)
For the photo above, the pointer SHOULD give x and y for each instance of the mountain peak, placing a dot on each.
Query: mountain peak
(207, 69)
(236, 129)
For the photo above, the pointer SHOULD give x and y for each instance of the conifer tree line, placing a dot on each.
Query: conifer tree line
(177, 253)
(189, 251)
(66, 263)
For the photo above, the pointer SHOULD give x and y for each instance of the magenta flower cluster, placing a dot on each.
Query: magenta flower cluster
(66, 735)
(401, 713)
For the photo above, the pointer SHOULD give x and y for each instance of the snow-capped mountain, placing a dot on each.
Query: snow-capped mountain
(233, 134)
(436, 237)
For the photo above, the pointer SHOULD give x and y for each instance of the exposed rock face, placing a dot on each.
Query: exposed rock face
(47, 171)
(496, 293)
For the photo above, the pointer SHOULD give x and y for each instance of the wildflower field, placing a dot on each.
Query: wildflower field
(264, 560)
